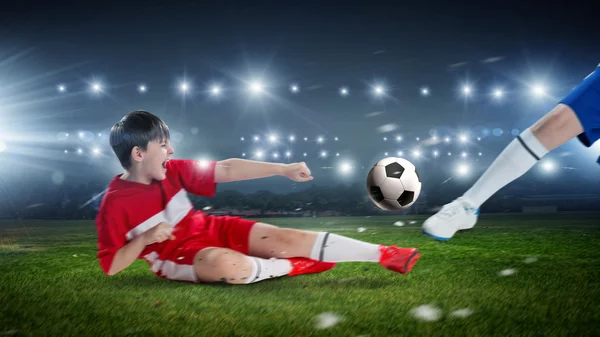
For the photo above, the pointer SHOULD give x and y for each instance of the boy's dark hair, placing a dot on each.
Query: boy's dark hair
(137, 128)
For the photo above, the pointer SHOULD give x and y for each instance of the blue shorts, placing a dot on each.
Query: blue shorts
(585, 102)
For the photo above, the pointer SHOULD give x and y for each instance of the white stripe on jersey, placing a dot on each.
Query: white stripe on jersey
(172, 270)
(177, 208)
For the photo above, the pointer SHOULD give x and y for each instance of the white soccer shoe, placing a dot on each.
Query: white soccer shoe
(455, 216)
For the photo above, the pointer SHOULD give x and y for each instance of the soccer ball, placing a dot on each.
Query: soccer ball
(393, 184)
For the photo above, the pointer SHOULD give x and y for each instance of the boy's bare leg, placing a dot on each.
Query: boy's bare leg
(557, 127)
(269, 241)
(226, 265)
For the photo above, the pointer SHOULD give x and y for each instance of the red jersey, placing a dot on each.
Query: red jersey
(129, 209)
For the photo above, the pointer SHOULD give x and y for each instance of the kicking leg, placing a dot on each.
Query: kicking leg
(271, 241)
(554, 129)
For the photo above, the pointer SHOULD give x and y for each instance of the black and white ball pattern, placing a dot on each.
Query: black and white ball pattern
(393, 184)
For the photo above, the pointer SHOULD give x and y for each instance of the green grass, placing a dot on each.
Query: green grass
(51, 285)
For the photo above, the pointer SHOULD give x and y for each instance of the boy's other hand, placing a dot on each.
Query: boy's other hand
(159, 233)
(297, 172)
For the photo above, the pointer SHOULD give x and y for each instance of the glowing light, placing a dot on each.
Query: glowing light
(79, 151)
(242, 139)
(435, 153)
(464, 155)
(336, 139)
(323, 154)
(498, 93)
(463, 138)
(294, 88)
(288, 154)
(259, 154)
(304, 154)
(272, 138)
(142, 88)
(384, 139)
(203, 163)
(184, 87)
(61, 88)
(538, 90)
(292, 138)
(418, 138)
(480, 154)
(256, 138)
(66, 151)
(447, 140)
(478, 139)
(467, 90)
(320, 140)
(463, 169)
(434, 138)
(96, 87)
(243, 154)
(337, 154)
(256, 87)
(96, 151)
(344, 91)
(400, 153)
(425, 91)
(398, 138)
(385, 153)
(215, 90)
(345, 168)
(275, 155)
(416, 153)
(548, 166)
(305, 139)
(379, 90)
(449, 153)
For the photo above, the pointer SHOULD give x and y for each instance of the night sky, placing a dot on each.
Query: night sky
(321, 48)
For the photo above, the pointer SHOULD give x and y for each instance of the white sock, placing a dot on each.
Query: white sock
(336, 248)
(514, 161)
(263, 269)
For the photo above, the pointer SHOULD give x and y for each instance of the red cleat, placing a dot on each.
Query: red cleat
(302, 265)
(400, 260)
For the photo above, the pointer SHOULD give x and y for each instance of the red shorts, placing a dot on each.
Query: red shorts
(221, 231)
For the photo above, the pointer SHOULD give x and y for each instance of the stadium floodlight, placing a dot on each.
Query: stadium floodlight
(323, 154)
(463, 138)
(385, 153)
(498, 93)
(538, 90)
(273, 138)
(256, 138)
(215, 90)
(256, 87)
(243, 154)
(344, 91)
(416, 153)
(384, 139)
(447, 140)
(96, 87)
(259, 154)
(184, 87)
(425, 91)
(400, 153)
(304, 154)
(294, 88)
(345, 167)
(467, 90)
(288, 154)
(142, 88)
(548, 166)
(337, 154)
(275, 155)
(292, 138)
(336, 139)
(379, 90)
(79, 151)
(305, 139)
(398, 138)
(320, 140)
(418, 139)
(463, 169)
(435, 153)
(61, 88)
(464, 155)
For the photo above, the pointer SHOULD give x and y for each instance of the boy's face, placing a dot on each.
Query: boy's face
(154, 160)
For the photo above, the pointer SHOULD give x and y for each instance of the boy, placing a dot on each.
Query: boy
(578, 115)
(147, 214)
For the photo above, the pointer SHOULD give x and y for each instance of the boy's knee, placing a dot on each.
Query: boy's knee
(222, 265)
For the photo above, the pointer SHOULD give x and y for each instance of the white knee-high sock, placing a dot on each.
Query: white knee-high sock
(336, 248)
(514, 161)
(263, 269)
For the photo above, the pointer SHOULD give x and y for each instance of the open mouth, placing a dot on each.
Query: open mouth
(164, 164)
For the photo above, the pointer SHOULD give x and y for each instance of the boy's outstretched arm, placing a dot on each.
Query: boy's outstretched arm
(236, 169)
(127, 254)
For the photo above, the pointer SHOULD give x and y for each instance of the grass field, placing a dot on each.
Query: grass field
(51, 285)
